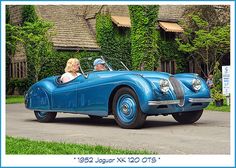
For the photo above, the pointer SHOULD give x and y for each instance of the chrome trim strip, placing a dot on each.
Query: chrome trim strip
(200, 100)
(164, 102)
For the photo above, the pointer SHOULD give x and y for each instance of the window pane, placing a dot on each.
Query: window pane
(173, 67)
(168, 66)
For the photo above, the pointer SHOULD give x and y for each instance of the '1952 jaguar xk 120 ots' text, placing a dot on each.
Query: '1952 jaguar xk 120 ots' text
(130, 96)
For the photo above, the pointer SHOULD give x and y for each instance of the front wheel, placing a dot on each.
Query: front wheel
(188, 117)
(126, 109)
(45, 116)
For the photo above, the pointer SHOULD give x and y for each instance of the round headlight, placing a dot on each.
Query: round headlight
(196, 84)
(164, 85)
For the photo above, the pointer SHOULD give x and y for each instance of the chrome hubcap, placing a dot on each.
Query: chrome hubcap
(125, 109)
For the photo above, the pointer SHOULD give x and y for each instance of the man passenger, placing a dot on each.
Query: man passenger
(99, 65)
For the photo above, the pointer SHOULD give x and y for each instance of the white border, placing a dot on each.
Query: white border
(165, 160)
(3, 83)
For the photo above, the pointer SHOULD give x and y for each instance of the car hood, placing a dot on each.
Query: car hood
(153, 76)
(144, 74)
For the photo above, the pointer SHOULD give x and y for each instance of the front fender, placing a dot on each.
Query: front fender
(186, 80)
(142, 87)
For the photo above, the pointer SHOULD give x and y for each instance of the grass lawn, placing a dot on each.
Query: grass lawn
(223, 108)
(14, 99)
(26, 146)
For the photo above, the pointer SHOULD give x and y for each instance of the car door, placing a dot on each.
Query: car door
(65, 96)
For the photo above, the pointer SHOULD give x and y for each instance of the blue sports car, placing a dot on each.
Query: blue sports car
(130, 96)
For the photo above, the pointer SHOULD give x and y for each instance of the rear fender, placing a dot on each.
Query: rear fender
(37, 99)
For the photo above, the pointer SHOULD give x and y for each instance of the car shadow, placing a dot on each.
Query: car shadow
(86, 121)
(156, 123)
(81, 121)
(109, 122)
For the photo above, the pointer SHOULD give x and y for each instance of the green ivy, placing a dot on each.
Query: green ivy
(21, 85)
(168, 51)
(7, 15)
(114, 41)
(29, 14)
(144, 36)
(56, 62)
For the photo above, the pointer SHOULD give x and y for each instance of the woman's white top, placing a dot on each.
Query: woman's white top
(70, 76)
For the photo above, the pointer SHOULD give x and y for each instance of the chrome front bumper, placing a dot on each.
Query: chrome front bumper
(191, 100)
(164, 102)
(200, 100)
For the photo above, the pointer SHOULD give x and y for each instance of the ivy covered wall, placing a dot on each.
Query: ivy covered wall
(144, 36)
(114, 41)
(29, 13)
(168, 50)
(141, 46)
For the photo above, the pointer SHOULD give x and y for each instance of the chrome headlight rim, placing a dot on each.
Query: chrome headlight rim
(164, 85)
(196, 84)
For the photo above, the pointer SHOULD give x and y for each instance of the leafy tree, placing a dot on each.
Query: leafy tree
(144, 49)
(12, 39)
(34, 34)
(207, 35)
(38, 47)
(13, 35)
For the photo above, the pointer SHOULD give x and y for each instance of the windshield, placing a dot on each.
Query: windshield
(111, 64)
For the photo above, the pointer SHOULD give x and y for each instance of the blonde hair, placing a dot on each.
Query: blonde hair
(70, 65)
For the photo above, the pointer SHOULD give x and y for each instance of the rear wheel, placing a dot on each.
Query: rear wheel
(126, 109)
(188, 117)
(45, 116)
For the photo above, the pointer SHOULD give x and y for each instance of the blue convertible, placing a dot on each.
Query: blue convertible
(130, 96)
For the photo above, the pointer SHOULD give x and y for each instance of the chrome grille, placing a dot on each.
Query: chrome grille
(177, 89)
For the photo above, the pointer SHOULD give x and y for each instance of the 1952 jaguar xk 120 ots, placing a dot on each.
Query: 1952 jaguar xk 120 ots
(130, 96)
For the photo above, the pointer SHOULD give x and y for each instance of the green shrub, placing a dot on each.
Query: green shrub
(20, 85)
(217, 95)
(56, 62)
(217, 77)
